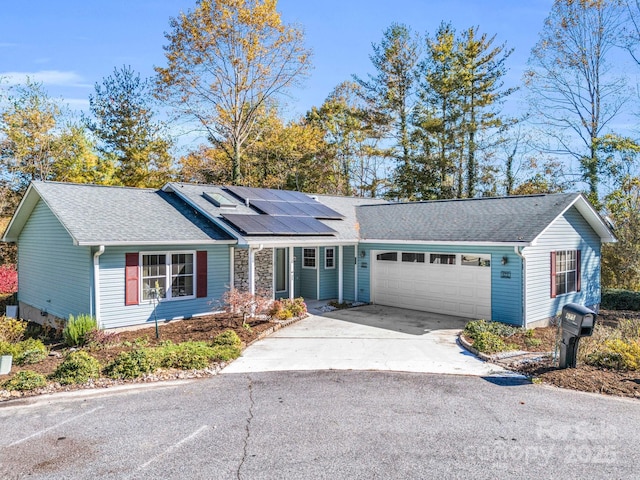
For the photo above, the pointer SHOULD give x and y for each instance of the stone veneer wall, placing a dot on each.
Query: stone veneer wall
(263, 270)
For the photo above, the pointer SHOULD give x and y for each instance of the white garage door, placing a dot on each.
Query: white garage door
(454, 284)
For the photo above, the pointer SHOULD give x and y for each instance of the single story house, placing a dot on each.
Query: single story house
(108, 251)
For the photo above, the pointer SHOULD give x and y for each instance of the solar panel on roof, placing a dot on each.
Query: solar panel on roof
(270, 208)
(247, 224)
(284, 225)
(318, 210)
(284, 202)
(314, 225)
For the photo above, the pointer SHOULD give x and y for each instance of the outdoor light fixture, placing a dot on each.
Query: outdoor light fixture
(505, 260)
(362, 253)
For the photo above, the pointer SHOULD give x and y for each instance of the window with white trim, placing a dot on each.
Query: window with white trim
(329, 258)
(167, 275)
(566, 272)
(308, 258)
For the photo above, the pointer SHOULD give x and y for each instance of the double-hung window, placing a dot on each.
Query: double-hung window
(308, 258)
(167, 275)
(565, 272)
(329, 258)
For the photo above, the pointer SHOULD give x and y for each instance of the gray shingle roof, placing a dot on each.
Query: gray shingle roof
(346, 229)
(181, 214)
(505, 219)
(115, 215)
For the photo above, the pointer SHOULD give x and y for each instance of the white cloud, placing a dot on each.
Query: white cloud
(46, 77)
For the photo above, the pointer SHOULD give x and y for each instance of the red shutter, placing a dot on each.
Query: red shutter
(553, 274)
(201, 267)
(578, 270)
(131, 279)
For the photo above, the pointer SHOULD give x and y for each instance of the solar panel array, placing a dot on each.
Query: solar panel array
(284, 203)
(282, 225)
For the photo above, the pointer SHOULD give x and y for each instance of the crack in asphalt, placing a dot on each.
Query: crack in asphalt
(247, 430)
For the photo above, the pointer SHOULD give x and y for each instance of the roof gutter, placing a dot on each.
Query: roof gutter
(448, 242)
(96, 283)
(520, 253)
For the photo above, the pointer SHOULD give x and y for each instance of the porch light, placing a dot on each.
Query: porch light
(505, 260)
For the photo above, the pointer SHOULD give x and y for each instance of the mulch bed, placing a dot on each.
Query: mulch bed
(584, 377)
(196, 329)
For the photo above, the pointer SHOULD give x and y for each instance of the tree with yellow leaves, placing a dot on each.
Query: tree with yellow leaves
(227, 61)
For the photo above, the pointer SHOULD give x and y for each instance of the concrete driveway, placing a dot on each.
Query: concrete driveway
(371, 337)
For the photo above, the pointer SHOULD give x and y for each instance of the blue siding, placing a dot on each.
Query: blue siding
(53, 274)
(348, 273)
(569, 232)
(329, 276)
(308, 278)
(506, 293)
(114, 313)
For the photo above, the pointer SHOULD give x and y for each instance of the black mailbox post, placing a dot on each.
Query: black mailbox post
(576, 322)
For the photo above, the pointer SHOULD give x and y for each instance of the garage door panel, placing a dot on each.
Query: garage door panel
(451, 289)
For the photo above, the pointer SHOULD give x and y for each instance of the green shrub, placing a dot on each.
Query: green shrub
(296, 306)
(11, 329)
(77, 328)
(488, 342)
(532, 342)
(618, 299)
(287, 308)
(476, 327)
(224, 353)
(30, 351)
(26, 351)
(7, 348)
(78, 367)
(132, 364)
(186, 355)
(25, 380)
(278, 311)
(227, 338)
(617, 354)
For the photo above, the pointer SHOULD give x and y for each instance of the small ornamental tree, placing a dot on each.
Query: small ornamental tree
(8, 279)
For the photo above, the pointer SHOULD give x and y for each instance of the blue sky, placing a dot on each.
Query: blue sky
(69, 45)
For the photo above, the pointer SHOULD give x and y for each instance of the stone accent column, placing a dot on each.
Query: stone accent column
(263, 270)
(241, 269)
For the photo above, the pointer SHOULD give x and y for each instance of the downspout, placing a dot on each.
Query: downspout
(252, 268)
(232, 273)
(340, 275)
(518, 252)
(96, 283)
